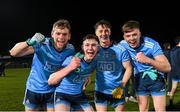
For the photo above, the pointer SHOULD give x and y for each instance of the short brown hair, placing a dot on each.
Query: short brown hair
(129, 25)
(103, 23)
(90, 36)
(62, 23)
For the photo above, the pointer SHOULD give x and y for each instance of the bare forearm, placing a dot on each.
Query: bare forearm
(128, 72)
(159, 62)
(21, 49)
(162, 66)
(127, 76)
(56, 77)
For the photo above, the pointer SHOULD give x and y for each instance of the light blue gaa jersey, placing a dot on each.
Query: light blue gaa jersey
(46, 60)
(73, 82)
(149, 47)
(110, 70)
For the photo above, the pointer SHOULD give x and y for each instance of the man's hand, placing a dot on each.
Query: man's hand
(142, 58)
(79, 55)
(117, 92)
(75, 63)
(37, 38)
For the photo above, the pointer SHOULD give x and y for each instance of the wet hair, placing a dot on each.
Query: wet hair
(129, 25)
(103, 23)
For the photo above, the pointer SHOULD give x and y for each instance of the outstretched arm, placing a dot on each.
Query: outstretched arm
(56, 77)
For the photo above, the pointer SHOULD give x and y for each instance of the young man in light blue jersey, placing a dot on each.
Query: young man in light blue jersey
(69, 92)
(49, 54)
(149, 63)
(113, 69)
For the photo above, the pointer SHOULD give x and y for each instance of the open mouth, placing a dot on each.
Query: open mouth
(90, 53)
(132, 43)
(60, 40)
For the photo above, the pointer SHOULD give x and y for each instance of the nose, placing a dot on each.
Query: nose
(132, 37)
(90, 47)
(103, 33)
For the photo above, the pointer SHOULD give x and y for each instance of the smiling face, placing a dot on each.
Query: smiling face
(131, 33)
(103, 32)
(133, 37)
(61, 36)
(90, 48)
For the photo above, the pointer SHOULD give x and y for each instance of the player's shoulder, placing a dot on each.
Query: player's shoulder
(119, 47)
(149, 42)
(70, 46)
(122, 42)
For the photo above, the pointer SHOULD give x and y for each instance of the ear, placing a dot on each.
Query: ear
(69, 36)
(82, 48)
(140, 33)
(52, 34)
(109, 31)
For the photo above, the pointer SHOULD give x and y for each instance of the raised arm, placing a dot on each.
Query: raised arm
(21, 49)
(25, 48)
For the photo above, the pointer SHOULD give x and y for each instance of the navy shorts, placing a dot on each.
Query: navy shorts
(34, 100)
(146, 86)
(176, 78)
(107, 99)
(76, 102)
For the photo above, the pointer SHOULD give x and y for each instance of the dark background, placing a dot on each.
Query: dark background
(21, 19)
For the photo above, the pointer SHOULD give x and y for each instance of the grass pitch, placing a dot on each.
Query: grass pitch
(12, 88)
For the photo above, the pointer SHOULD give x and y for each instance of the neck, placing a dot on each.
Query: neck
(87, 60)
(178, 44)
